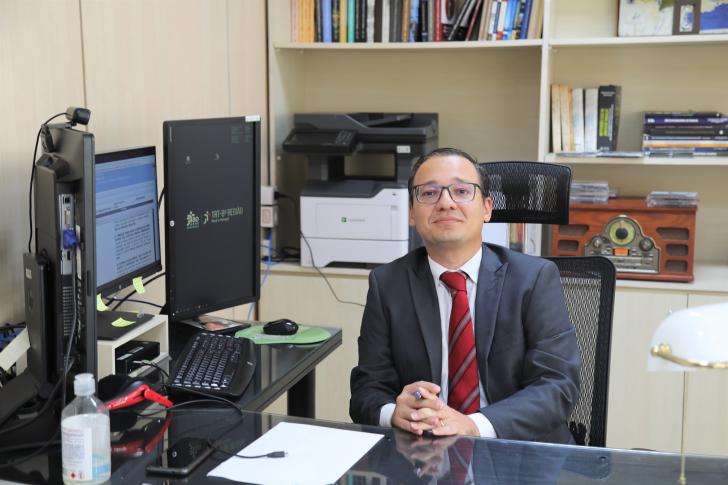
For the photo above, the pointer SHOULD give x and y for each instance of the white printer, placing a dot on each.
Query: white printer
(355, 219)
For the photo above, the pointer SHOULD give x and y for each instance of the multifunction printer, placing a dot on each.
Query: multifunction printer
(349, 214)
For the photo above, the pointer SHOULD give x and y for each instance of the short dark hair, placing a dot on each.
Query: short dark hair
(444, 152)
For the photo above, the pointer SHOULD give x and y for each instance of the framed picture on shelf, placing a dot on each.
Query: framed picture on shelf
(645, 17)
(714, 17)
(686, 18)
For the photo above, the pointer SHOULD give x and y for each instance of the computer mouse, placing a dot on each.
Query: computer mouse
(283, 326)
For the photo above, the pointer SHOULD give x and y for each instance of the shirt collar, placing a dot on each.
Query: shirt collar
(471, 267)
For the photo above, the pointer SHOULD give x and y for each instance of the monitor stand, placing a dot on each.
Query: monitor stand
(107, 329)
(16, 393)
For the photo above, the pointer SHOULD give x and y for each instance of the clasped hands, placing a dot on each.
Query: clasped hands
(426, 412)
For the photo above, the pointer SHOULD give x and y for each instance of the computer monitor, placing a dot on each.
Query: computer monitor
(212, 206)
(59, 275)
(127, 227)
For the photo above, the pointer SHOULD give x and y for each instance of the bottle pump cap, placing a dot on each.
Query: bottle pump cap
(84, 384)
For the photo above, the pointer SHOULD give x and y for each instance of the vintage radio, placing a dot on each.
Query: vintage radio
(646, 243)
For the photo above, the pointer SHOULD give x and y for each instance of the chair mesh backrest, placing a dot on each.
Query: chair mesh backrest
(588, 284)
(530, 192)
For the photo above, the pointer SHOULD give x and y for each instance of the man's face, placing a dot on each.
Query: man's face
(447, 223)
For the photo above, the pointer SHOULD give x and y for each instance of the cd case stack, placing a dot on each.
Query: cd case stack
(672, 199)
(589, 192)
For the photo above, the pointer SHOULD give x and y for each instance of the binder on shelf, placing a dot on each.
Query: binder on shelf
(609, 109)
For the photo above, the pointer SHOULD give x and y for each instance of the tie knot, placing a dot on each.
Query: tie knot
(454, 279)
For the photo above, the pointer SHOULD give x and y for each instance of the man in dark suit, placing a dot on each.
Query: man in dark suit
(461, 337)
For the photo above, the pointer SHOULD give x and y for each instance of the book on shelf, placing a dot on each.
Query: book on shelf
(683, 138)
(475, 17)
(602, 154)
(424, 21)
(370, 20)
(567, 123)
(555, 118)
(326, 13)
(685, 120)
(591, 96)
(696, 130)
(608, 105)
(484, 16)
(449, 11)
(578, 118)
(414, 20)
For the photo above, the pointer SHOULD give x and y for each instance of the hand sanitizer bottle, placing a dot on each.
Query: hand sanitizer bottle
(85, 436)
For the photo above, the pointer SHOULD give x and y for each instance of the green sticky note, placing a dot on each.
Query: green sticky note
(120, 323)
(138, 285)
(100, 305)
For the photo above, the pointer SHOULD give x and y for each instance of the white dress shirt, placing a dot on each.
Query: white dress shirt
(444, 299)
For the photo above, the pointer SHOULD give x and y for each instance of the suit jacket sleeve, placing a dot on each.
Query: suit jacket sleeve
(374, 382)
(549, 378)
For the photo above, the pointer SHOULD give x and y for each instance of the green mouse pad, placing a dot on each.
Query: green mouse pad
(305, 335)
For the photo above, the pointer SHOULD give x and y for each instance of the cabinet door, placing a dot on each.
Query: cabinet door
(706, 428)
(644, 408)
(305, 298)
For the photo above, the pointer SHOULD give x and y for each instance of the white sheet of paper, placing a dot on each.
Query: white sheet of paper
(315, 455)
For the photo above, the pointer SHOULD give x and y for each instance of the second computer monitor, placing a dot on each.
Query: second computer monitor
(127, 220)
(212, 206)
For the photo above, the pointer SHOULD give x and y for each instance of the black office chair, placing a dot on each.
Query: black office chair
(528, 192)
(588, 283)
(538, 193)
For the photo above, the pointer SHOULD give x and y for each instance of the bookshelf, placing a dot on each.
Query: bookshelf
(385, 46)
(494, 101)
(643, 161)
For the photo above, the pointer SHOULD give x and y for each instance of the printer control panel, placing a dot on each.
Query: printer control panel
(323, 141)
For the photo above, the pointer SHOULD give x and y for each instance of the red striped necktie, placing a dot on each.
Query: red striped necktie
(463, 392)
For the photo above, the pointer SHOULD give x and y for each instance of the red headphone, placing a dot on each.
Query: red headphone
(119, 391)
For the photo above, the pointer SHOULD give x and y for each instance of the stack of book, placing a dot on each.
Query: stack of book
(584, 120)
(415, 20)
(685, 134)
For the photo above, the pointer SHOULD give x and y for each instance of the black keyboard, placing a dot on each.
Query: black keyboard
(214, 364)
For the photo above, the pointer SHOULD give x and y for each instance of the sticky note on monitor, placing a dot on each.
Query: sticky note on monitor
(139, 285)
(100, 305)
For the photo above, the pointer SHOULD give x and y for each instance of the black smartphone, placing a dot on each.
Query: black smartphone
(182, 458)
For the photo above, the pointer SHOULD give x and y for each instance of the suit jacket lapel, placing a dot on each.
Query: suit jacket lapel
(424, 298)
(490, 285)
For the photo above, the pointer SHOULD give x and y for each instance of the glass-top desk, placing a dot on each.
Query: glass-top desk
(398, 458)
(279, 368)
(403, 458)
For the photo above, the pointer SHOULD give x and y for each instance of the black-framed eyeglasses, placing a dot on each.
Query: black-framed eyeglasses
(460, 192)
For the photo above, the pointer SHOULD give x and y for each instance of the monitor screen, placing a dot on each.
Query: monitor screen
(212, 206)
(127, 218)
